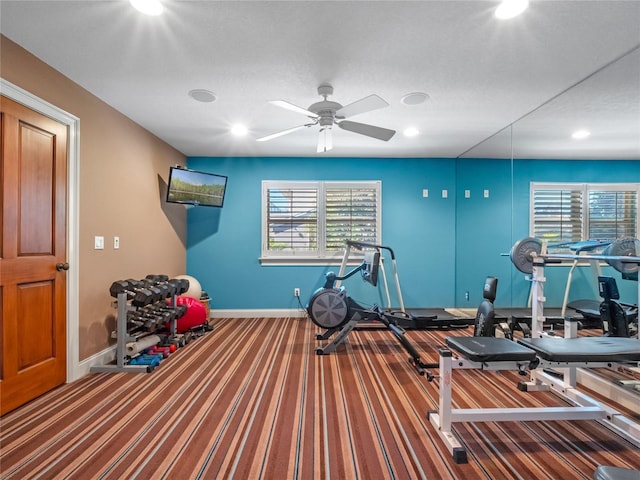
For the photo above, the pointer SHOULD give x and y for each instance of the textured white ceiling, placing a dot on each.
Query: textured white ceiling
(481, 74)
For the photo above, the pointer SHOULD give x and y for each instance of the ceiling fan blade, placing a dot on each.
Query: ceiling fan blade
(293, 108)
(325, 140)
(366, 104)
(368, 130)
(279, 134)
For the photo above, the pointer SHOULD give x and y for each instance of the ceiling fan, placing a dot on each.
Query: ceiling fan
(327, 114)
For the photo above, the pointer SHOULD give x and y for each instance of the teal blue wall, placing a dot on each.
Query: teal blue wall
(444, 247)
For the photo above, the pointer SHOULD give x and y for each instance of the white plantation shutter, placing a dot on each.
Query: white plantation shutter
(292, 218)
(613, 213)
(563, 213)
(350, 214)
(313, 219)
(558, 215)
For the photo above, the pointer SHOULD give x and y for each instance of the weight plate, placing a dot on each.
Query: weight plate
(623, 247)
(522, 253)
(328, 308)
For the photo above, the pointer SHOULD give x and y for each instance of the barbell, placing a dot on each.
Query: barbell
(621, 255)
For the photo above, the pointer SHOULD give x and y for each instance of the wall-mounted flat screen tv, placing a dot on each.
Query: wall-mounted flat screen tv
(196, 188)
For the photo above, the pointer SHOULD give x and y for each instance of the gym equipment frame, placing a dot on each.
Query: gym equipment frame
(530, 256)
(535, 355)
(331, 308)
(540, 354)
(400, 317)
(125, 304)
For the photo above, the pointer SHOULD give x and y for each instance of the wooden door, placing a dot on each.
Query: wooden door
(33, 174)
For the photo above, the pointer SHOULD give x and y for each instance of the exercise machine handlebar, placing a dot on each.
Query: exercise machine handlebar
(332, 277)
(361, 245)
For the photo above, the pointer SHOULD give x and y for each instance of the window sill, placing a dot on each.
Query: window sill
(307, 261)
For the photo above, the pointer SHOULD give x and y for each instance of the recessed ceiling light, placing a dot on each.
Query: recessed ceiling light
(415, 98)
(148, 7)
(203, 95)
(580, 134)
(510, 8)
(239, 130)
(411, 132)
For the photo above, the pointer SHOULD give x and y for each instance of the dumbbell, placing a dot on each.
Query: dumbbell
(156, 293)
(138, 296)
(163, 313)
(181, 285)
(152, 361)
(164, 351)
(134, 321)
(158, 319)
(141, 322)
(157, 278)
(178, 311)
(160, 291)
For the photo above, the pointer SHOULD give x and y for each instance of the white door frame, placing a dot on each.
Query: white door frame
(39, 105)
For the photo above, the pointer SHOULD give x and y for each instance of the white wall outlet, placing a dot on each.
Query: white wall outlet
(98, 243)
(445, 193)
(467, 194)
(116, 243)
(425, 193)
(486, 194)
(296, 292)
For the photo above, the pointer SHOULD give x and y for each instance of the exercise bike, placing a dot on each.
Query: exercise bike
(332, 309)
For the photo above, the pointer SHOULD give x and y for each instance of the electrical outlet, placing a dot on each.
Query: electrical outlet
(116, 243)
(296, 292)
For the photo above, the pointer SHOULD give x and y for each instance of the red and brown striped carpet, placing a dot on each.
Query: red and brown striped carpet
(251, 400)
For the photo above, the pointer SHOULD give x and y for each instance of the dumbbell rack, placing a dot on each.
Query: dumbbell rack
(123, 337)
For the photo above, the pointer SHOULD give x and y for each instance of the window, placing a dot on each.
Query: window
(564, 213)
(307, 221)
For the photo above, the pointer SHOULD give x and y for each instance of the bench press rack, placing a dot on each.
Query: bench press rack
(542, 356)
(535, 355)
(625, 392)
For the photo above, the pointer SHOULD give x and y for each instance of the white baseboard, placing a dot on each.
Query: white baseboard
(257, 313)
(108, 355)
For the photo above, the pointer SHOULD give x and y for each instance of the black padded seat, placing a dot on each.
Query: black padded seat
(585, 349)
(616, 473)
(490, 349)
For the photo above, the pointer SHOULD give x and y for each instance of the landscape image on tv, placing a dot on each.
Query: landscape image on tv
(197, 188)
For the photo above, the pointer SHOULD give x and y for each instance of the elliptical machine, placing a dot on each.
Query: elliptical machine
(332, 309)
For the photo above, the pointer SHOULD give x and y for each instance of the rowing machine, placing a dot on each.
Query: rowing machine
(331, 308)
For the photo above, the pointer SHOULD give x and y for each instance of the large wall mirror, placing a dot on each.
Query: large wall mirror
(540, 147)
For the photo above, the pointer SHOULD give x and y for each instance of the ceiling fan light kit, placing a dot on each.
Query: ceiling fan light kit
(326, 114)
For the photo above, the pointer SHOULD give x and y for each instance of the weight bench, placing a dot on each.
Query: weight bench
(533, 356)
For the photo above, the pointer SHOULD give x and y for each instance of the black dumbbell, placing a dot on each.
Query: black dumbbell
(157, 278)
(168, 290)
(169, 287)
(181, 285)
(138, 296)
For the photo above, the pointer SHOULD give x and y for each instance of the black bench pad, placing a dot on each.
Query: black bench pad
(585, 349)
(490, 349)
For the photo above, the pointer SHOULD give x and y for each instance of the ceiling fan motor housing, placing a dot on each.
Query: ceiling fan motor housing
(326, 111)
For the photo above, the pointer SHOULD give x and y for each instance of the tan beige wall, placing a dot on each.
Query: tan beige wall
(123, 174)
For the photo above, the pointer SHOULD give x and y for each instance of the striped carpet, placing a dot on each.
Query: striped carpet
(251, 400)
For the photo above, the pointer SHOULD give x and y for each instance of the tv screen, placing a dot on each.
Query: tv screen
(196, 188)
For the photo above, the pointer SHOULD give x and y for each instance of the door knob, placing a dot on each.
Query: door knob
(62, 266)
